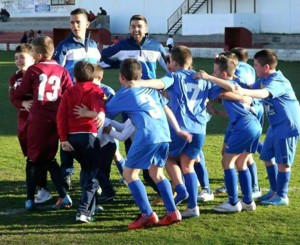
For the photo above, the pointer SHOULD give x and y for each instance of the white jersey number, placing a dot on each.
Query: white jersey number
(156, 111)
(52, 84)
(194, 88)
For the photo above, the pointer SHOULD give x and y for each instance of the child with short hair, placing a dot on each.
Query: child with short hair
(149, 149)
(283, 110)
(78, 135)
(46, 81)
(23, 60)
(241, 139)
(188, 102)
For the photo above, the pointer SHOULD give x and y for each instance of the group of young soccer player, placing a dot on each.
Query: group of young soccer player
(166, 119)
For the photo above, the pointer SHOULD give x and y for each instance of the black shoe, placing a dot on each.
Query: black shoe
(105, 197)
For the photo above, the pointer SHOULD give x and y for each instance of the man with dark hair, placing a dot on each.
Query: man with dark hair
(74, 48)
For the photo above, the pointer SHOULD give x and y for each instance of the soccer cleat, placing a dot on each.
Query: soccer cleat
(29, 205)
(65, 202)
(42, 196)
(256, 194)
(249, 207)
(266, 196)
(83, 218)
(221, 190)
(205, 196)
(191, 212)
(143, 221)
(180, 197)
(170, 218)
(226, 207)
(276, 201)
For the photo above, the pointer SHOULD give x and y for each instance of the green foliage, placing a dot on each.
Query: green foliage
(267, 225)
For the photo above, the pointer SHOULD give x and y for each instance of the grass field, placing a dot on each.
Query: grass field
(267, 225)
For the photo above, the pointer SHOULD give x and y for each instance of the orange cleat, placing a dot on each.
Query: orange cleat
(143, 221)
(170, 218)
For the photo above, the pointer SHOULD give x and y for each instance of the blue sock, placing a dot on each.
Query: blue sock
(202, 174)
(283, 179)
(138, 191)
(231, 185)
(120, 165)
(181, 193)
(191, 183)
(245, 183)
(254, 178)
(165, 190)
(272, 176)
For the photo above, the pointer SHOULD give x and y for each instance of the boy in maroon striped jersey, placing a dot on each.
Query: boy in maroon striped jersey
(46, 81)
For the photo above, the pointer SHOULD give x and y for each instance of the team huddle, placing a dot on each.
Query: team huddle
(60, 97)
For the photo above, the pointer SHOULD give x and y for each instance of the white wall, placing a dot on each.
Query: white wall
(156, 11)
(276, 16)
(215, 23)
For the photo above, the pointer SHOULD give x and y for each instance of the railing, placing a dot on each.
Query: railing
(184, 8)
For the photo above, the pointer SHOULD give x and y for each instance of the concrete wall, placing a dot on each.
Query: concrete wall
(276, 16)
(208, 24)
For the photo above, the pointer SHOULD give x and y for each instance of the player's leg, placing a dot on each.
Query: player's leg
(267, 155)
(174, 172)
(140, 158)
(191, 183)
(203, 178)
(285, 150)
(245, 182)
(233, 204)
(67, 167)
(107, 153)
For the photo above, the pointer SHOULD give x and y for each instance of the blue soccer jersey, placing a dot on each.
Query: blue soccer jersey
(145, 109)
(148, 54)
(246, 74)
(246, 78)
(71, 50)
(282, 107)
(235, 109)
(188, 99)
(243, 131)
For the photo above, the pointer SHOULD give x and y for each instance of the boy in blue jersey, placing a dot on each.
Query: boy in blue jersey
(74, 48)
(188, 102)
(140, 46)
(244, 76)
(149, 149)
(200, 167)
(241, 140)
(282, 108)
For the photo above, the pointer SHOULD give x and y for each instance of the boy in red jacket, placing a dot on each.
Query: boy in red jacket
(78, 135)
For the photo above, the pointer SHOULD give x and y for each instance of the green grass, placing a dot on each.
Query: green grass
(267, 225)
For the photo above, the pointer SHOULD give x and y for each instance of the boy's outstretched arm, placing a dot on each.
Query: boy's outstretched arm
(226, 95)
(255, 93)
(152, 83)
(222, 83)
(173, 121)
